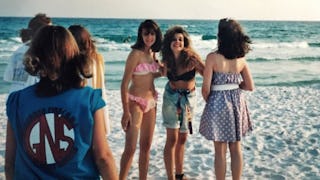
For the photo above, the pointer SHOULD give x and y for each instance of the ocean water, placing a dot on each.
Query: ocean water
(283, 53)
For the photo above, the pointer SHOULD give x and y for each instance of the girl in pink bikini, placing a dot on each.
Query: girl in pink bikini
(139, 98)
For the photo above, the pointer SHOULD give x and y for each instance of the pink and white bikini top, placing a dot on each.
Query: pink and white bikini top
(145, 68)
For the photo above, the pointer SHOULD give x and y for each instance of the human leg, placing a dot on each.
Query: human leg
(236, 159)
(179, 152)
(169, 152)
(131, 141)
(146, 135)
(220, 149)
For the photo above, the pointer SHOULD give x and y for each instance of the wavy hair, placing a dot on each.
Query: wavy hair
(84, 40)
(55, 57)
(232, 41)
(149, 25)
(186, 54)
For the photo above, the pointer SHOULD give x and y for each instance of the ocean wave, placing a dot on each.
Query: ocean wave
(8, 46)
(262, 59)
(208, 37)
(112, 62)
(3, 64)
(16, 39)
(121, 38)
(265, 45)
(100, 40)
(316, 58)
(315, 83)
(11, 40)
(314, 44)
(112, 46)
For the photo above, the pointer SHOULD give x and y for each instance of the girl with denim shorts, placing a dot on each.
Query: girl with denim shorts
(181, 63)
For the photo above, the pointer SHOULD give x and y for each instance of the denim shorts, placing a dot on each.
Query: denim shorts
(169, 108)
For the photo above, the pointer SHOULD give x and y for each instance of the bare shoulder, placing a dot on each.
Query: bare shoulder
(242, 60)
(135, 55)
(100, 58)
(242, 63)
(213, 56)
(136, 52)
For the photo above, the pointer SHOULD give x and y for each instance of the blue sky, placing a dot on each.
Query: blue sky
(167, 9)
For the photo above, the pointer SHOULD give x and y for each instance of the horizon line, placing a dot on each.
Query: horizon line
(137, 18)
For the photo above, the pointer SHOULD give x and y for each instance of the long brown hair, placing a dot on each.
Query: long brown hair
(55, 57)
(84, 40)
(149, 25)
(186, 54)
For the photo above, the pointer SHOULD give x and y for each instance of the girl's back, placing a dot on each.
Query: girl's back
(221, 64)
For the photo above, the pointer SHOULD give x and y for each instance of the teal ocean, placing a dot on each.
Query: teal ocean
(283, 53)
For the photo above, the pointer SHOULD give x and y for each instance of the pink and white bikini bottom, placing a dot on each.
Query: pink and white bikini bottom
(145, 104)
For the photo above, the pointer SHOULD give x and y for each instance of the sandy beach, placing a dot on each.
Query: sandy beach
(284, 144)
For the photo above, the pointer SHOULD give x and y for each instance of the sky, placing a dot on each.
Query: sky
(299, 10)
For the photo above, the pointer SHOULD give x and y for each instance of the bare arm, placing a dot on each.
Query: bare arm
(10, 155)
(157, 74)
(100, 71)
(247, 83)
(200, 67)
(164, 69)
(198, 64)
(101, 150)
(131, 63)
(161, 71)
(207, 77)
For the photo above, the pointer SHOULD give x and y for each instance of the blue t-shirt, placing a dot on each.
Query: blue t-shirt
(54, 134)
